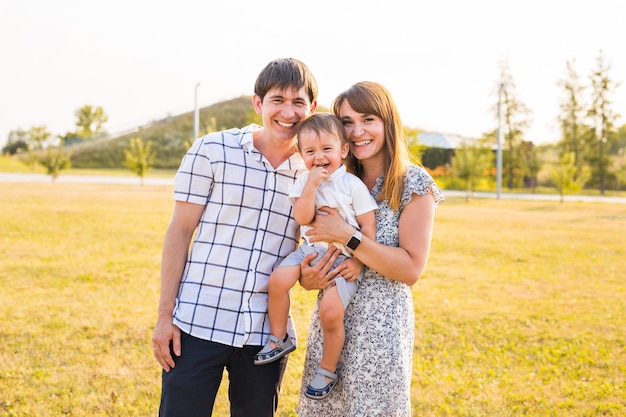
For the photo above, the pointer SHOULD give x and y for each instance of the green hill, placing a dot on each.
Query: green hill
(171, 136)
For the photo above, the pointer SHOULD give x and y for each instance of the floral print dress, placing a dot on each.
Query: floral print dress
(376, 363)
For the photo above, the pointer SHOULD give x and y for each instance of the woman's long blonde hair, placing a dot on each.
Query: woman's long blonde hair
(368, 97)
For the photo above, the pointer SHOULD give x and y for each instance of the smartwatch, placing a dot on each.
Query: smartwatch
(355, 240)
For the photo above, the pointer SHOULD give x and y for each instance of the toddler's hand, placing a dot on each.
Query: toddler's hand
(350, 269)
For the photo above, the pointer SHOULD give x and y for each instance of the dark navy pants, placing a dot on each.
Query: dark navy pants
(189, 389)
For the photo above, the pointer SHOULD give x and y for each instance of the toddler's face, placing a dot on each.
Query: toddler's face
(322, 150)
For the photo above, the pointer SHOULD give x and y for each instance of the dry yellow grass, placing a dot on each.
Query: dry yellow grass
(520, 312)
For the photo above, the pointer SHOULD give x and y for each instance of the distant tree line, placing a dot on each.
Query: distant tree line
(158, 144)
(590, 153)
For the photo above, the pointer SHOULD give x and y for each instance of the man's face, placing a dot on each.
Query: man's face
(282, 110)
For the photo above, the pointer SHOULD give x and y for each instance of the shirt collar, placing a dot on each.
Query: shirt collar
(246, 138)
(339, 172)
(295, 161)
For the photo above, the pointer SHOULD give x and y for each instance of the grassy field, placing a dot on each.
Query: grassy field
(521, 312)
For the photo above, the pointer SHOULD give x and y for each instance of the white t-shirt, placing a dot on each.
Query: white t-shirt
(343, 191)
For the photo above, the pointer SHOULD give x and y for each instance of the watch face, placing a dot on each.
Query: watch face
(353, 243)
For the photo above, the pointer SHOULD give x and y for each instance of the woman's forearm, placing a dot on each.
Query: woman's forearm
(405, 263)
(393, 263)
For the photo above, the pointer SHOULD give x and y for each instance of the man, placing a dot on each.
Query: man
(231, 198)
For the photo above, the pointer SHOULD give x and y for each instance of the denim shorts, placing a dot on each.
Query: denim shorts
(346, 289)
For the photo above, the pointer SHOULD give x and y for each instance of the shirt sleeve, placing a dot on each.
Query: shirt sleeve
(362, 200)
(194, 178)
(297, 187)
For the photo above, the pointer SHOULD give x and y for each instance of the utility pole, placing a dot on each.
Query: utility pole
(196, 115)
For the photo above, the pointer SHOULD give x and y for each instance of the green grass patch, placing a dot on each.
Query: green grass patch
(13, 164)
(120, 172)
(520, 311)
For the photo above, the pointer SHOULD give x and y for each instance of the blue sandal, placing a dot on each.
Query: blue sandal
(270, 354)
(318, 389)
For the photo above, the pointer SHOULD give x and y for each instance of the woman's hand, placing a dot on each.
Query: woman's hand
(329, 227)
(320, 276)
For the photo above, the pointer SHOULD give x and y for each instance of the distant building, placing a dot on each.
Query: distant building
(440, 140)
(439, 148)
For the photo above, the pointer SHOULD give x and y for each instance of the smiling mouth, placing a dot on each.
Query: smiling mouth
(362, 143)
(288, 125)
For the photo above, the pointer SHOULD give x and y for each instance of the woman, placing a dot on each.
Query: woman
(376, 364)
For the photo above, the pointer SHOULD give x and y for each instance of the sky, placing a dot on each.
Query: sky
(140, 60)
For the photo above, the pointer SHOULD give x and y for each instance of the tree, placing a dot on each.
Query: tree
(603, 117)
(619, 161)
(55, 160)
(90, 121)
(38, 136)
(516, 119)
(572, 117)
(531, 163)
(208, 126)
(619, 169)
(618, 146)
(567, 177)
(416, 148)
(139, 157)
(17, 142)
(470, 163)
(253, 117)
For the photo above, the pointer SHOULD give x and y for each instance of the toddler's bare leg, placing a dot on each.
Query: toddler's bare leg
(331, 319)
(280, 283)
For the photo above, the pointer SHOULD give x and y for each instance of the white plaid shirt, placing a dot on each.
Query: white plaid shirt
(245, 231)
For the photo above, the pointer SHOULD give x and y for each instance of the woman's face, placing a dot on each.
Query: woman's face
(365, 132)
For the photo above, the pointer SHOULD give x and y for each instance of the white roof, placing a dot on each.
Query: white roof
(440, 140)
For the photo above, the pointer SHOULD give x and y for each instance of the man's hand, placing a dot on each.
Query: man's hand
(320, 276)
(165, 332)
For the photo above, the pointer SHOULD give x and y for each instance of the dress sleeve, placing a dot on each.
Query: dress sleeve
(418, 181)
